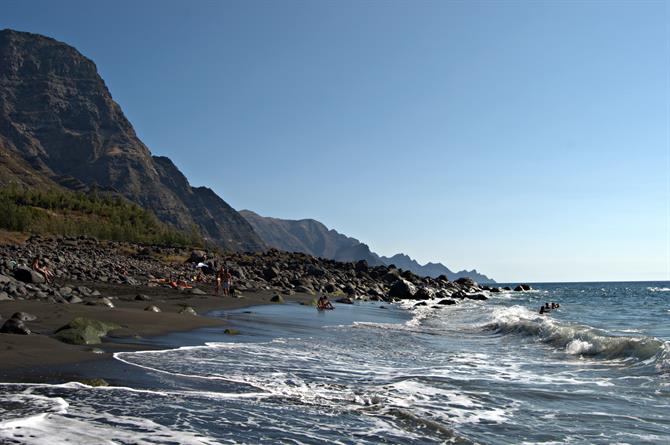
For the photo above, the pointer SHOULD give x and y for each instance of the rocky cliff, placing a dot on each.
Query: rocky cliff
(314, 238)
(311, 237)
(433, 269)
(59, 124)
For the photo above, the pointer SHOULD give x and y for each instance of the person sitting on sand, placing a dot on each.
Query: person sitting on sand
(44, 270)
(324, 303)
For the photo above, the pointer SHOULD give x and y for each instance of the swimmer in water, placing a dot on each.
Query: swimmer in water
(324, 303)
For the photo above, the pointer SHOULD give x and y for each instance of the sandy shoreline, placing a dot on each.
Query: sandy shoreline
(24, 356)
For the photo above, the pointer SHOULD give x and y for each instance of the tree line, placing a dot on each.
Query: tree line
(101, 215)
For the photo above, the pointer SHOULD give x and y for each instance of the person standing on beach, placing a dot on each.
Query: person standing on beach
(227, 283)
(220, 275)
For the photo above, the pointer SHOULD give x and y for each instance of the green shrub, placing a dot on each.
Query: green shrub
(104, 216)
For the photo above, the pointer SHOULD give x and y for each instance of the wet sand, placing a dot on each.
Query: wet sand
(22, 355)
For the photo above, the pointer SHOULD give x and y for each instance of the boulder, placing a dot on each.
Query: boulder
(24, 316)
(142, 297)
(424, 293)
(270, 273)
(84, 331)
(128, 280)
(196, 291)
(188, 310)
(447, 301)
(315, 271)
(519, 289)
(459, 294)
(277, 299)
(361, 266)
(525, 287)
(345, 300)
(4, 279)
(28, 275)
(466, 282)
(104, 301)
(230, 331)
(402, 289)
(14, 326)
(4, 296)
(197, 256)
(152, 308)
(480, 297)
(73, 299)
(305, 290)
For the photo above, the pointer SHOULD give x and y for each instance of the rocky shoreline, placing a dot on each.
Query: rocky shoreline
(83, 259)
(103, 287)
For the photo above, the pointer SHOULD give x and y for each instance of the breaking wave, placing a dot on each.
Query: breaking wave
(577, 339)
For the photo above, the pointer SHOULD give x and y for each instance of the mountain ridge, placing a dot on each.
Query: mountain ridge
(301, 235)
(60, 125)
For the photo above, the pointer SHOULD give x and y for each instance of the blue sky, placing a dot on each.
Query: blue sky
(530, 140)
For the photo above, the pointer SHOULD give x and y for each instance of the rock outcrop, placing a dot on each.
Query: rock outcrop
(60, 125)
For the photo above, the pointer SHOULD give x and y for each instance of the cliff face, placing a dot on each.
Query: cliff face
(311, 237)
(58, 116)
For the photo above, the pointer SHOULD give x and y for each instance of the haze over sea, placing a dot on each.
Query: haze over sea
(597, 370)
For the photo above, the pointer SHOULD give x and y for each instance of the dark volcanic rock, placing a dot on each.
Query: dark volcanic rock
(28, 275)
(14, 326)
(464, 281)
(447, 301)
(424, 294)
(270, 273)
(24, 316)
(402, 289)
(59, 122)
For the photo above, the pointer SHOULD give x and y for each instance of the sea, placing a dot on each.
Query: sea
(594, 371)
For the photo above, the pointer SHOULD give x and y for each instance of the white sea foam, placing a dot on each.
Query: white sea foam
(86, 428)
(658, 289)
(576, 339)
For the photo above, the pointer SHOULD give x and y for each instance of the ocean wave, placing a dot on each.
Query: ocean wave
(579, 339)
(658, 289)
(30, 413)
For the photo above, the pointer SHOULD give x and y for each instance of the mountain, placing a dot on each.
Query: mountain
(309, 236)
(60, 125)
(312, 237)
(433, 269)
